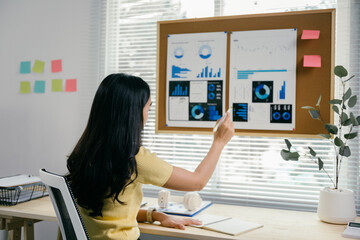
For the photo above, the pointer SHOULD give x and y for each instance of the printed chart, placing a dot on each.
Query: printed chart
(195, 79)
(262, 81)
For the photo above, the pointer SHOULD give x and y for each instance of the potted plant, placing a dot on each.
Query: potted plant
(336, 205)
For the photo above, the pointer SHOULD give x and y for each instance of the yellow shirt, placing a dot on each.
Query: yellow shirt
(119, 221)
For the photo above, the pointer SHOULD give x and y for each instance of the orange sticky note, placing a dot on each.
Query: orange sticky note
(70, 85)
(310, 34)
(312, 61)
(56, 66)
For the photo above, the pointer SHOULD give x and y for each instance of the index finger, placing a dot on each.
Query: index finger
(228, 117)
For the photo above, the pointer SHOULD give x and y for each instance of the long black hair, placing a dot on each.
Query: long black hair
(103, 160)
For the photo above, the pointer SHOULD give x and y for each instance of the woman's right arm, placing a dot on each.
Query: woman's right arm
(184, 180)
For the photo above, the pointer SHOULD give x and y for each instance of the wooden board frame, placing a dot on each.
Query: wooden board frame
(310, 82)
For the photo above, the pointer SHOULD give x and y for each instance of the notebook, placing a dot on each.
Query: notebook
(177, 208)
(227, 225)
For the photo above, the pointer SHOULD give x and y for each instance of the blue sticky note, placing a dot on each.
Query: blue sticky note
(39, 86)
(25, 67)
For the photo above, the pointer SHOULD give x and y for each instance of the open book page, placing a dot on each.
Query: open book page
(232, 226)
(209, 219)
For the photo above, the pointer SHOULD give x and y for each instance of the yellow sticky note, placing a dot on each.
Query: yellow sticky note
(56, 85)
(25, 87)
(38, 66)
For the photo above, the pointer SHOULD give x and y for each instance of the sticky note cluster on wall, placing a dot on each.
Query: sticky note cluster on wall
(311, 60)
(39, 85)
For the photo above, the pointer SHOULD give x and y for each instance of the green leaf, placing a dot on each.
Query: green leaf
(335, 101)
(320, 164)
(319, 100)
(294, 156)
(345, 151)
(358, 119)
(352, 101)
(327, 136)
(349, 78)
(307, 107)
(287, 155)
(344, 117)
(353, 120)
(340, 71)
(288, 144)
(347, 122)
(347, 94)
(351, 135)
(331, 128)
(314, 114)
(338, 142)
(336, 109)
(312, 152)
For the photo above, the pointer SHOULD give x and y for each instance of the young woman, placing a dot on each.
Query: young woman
(108, 165)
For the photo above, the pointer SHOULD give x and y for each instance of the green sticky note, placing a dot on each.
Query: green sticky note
(38, 66)
(56, 85)
(39, 86)
(25, 87)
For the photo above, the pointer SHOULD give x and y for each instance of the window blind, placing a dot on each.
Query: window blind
(250, 170)
(348, 54)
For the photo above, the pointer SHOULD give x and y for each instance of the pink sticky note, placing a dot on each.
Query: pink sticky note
(70, 85)
(312, 61)
(310, 34)
(56, 66)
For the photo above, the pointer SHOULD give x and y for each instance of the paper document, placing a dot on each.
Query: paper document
(227, 225)
(18, 180)
(177, 208)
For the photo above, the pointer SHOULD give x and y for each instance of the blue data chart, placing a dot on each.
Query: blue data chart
(240, 112)
(262, 92)
(179, 91)
(205, 51)
(178, 53)
(197, 112)
(280, 113)
(213, 113)
(244, 74)
(179, 72)
(282, 91)
(209, 73)
(179, 88)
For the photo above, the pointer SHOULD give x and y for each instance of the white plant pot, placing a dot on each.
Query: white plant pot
(336, 206)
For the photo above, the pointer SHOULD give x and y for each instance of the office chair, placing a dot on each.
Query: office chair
(67, 213)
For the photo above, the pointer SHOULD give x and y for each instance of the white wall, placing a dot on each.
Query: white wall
(39, 130)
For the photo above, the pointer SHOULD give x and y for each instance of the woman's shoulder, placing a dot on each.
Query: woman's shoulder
(143, 151)
(144, 154)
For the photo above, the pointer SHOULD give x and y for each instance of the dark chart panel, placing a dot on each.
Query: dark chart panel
(212, 109)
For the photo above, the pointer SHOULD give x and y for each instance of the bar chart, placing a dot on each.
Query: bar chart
(209, 73)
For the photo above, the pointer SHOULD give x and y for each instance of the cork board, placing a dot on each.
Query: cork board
(310, 81)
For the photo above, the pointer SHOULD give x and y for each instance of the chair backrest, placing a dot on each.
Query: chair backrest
(67, 213)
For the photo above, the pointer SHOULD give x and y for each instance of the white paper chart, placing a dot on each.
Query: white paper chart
(195, 79)
(262, 81)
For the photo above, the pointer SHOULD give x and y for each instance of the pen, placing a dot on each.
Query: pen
(221, 120)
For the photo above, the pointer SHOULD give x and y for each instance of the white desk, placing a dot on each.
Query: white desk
(278, 224)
